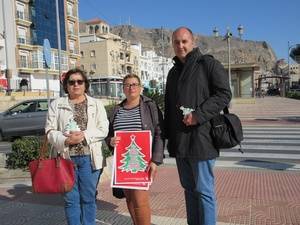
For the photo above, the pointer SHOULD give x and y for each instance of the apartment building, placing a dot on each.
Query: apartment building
(104, 54)
(154, 69)
(26, 24)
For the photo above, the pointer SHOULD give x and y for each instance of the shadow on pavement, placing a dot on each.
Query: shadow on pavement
(23, 193)
(265, 164)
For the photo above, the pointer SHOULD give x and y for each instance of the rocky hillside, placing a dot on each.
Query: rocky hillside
(242, 51)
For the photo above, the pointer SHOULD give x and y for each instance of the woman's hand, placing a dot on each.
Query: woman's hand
(74, 137)
(114, 141)
(152, 168)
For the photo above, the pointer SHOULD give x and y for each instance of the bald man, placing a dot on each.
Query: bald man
(197, 89)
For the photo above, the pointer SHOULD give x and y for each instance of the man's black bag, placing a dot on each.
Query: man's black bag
(226, 130)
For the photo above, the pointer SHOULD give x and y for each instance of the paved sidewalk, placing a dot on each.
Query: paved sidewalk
(244, 196)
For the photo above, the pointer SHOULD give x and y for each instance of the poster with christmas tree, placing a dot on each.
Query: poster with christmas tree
(131, 158)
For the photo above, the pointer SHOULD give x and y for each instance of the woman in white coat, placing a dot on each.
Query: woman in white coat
(75, 127)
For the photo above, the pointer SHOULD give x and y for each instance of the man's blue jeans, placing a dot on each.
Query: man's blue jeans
(197, 179)
(80, 203)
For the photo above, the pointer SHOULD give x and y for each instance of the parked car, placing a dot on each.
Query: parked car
(24, 119)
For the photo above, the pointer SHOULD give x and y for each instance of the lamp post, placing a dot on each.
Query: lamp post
(240, 31)
(290, 47)
(228, 37)
(61, 93)
(163, 59)
(7, 76)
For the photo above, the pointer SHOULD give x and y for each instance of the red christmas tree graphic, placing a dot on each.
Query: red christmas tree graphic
(133, 159)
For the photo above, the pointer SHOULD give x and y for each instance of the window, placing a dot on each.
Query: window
(23, 60)
(72, 46)
(121, 55)
(96, 29)
(20, 11)
(82, 54)
(42, 106)
(91, 29)
(93, 53)
(93, 66)
(71, 27)
(70, 9)
(21, 35)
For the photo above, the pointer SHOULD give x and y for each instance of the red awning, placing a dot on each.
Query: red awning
(3, 82)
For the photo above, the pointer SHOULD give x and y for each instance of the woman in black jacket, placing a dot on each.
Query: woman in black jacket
(138, 112)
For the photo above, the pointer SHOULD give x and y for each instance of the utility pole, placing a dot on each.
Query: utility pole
(4, 35)
(163, 59)
(228, 37)
(61, 93)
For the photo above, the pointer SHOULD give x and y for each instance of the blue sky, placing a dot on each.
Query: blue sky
(274, 21)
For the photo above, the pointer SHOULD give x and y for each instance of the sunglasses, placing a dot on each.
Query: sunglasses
(73, 82)
(133, 85)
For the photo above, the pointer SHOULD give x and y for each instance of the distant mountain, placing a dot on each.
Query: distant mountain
(242, 51)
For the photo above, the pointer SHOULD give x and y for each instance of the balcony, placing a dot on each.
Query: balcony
(72, 35)
(23, 18)
(72, 15)
(2, 43)
(24, 42)
(74, 53)
(24, 1)
(24, 66)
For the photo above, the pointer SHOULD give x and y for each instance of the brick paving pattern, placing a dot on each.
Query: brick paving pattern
(257, 197)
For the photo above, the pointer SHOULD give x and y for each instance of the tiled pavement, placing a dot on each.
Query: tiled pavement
(245, 196)
(257, 197)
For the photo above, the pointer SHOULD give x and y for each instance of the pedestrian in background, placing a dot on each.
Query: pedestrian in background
(75, 127)
(197, 89)
(135, 113)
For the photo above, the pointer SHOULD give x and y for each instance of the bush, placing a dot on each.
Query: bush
(106, 151)
(293, 94)
(158, 98)
(109, 108)
(23, 151)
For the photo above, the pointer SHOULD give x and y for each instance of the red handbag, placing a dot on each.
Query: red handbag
(51, 176)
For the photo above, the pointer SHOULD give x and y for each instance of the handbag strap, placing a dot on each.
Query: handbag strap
(226, 110)
(44, 148)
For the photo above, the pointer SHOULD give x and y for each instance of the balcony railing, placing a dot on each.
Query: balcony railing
(24, 64)
(74, 51)
(24, 40)
(23, 16)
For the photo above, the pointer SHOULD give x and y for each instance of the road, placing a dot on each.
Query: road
(269, 147)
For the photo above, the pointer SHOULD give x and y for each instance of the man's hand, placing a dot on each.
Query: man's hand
(190, 119)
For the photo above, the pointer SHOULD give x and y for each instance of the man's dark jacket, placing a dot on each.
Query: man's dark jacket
(201, 83)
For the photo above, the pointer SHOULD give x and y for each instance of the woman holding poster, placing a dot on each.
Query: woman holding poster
(137, 113)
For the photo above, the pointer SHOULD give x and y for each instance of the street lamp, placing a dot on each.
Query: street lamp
(163, 59)
(240, 31)
(290, 47)
(228, 37)
(61, 92)
(7, 75)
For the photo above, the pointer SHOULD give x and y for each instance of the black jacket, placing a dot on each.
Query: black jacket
(201, 83)
(151, 120)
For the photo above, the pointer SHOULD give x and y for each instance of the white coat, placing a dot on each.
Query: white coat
(59, 113)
